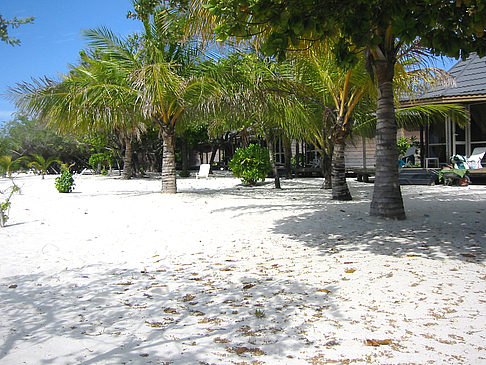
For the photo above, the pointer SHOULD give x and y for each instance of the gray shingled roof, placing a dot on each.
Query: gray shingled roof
(469, 79)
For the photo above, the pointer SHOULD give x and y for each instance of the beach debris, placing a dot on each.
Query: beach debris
(377, 343)
(188, 297)
(350, 271)
(155, 324)
(241, 350)
(221, 340)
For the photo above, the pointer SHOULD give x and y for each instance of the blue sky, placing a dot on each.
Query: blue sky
(54, 40)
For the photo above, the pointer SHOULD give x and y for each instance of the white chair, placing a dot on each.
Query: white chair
(408, 159)
(203, 171)
(474, 161)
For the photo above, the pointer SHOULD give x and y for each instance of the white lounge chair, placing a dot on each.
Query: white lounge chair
(203, 171)
(474, 161)
(408, 159)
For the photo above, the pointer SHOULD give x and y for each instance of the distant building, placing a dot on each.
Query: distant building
(468, 88)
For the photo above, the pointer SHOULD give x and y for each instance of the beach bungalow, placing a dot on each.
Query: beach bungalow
(467, 88)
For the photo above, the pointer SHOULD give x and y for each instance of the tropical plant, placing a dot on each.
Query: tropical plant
(168, 86)
(251, 164)
(41, 165)
(100, 161)
(332, 95)
(250, 104)
(23, 136)
(5, 203)
(93, 96)
(9, 166)
(404, 143)
(65, 183)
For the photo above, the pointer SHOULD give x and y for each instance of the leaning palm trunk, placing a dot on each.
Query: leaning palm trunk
(271, 152)
(287, 156)
(127, 160)
(340, 190)
(387, 198)
(185, 158)
(169, 185)
(326, 167)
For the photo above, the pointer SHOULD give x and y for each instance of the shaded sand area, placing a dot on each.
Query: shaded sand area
(117, 273)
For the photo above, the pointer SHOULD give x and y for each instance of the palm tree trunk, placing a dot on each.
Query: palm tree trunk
(271, 150)
(169, 185)
(127, 160)
(340, 190)
(387, 199)
(326, 167)
(287, 156)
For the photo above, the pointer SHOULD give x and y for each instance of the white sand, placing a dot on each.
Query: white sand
(117, 273)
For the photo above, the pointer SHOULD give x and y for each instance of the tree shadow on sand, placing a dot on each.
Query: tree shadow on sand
(172, 312)
(458, 234)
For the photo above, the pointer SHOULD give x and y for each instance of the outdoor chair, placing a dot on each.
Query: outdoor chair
(408, 158)
(203, 171)
(474, 161)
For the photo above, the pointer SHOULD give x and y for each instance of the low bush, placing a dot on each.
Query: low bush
(251, 164)
(65, 182)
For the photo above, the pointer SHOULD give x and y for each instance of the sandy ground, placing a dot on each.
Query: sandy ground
(117, 273)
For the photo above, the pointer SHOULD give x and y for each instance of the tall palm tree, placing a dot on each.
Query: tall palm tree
(335, 94)
(123, 84)
(168, 83)
(94, 95)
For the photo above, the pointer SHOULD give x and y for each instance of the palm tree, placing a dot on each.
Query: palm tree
(93, 96)
(9, 166)
(334, 95)
(169, 88)
(249, 104)
(41, 164)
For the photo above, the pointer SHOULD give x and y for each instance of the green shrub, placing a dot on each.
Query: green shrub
(403, 144)
(251, 164)
(100, 161)
(65, 182)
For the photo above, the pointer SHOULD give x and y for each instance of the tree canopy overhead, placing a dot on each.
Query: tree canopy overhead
(452, 28)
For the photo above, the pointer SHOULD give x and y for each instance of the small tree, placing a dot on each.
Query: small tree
(251, 164)
(5, 204)
(8, 166)
(41, 165)
(65, 182)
